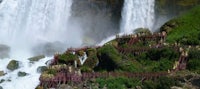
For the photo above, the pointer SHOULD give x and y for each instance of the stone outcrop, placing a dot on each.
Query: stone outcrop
(2, 73)
(100, 17)
(13, 65)
(22, 74)
(41, 69)
(2, 80)
(36, 58)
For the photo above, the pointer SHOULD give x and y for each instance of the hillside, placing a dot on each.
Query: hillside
(166, 59)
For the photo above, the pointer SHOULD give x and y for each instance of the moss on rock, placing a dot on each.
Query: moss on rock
(13, 65)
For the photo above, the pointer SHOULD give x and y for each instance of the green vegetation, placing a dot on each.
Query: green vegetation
(194, 61)
(51, 71)
(67, 58)
(118, 83)
(132, 83)
(184, 29)
(109, 58)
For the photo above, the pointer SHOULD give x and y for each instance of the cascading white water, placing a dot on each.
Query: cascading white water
(25, 24)
(137, 14)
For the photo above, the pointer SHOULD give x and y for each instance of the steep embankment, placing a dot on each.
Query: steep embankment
(184, 29)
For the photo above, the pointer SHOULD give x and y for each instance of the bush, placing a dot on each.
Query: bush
(118, 83)
(67, 58)
(194, 65)
(194, 54)
(91, 61)
(160, 83)
(109, 58)
(157, 54)
(51, 71)
(86, 69)
(91, 51)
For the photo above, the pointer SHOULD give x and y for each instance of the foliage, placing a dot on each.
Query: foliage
(109, 58)
(185, 29)
(194, 54)
(67, 58)
(91, 51)
(157, 54)
(80, 53)
(194, 60)
(86, 69)
(160, 83)
(194, 65)
(51, 71)
(131, 83)
(118, 83)
(91, 61)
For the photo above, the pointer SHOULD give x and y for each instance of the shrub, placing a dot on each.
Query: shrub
(118, 83)
(109, 58)
(67, 58)
(194, 65)
(194, 54)
(91, 61)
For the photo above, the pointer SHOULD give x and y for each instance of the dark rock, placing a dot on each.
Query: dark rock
(41, 69)
(2, 80)
(22, 74)
(1, 1)
(36, 58)
(13, 65)
(4, 51)
(48, 62)
(1, 87)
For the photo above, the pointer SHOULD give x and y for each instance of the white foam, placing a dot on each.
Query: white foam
(137, 14)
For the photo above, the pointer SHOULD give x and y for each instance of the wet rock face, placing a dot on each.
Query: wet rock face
(99, 17)
(4, 51)
(13, 65)
(22, 74)
(36, 58)
(2, 80)
(41, 69)
(1, 87)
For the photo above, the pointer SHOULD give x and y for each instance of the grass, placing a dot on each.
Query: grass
(187, 29)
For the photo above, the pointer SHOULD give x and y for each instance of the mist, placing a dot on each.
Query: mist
(96, 21)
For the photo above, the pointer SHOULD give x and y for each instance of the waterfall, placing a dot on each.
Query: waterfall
(25, 24)
(137, 14)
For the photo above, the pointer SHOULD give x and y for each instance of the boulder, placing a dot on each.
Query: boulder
(2, 73)
(41, 69)
(1, 87)
(22, 74)
(13, 65)
(2, 80)
(4, 51)
(36, 58)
